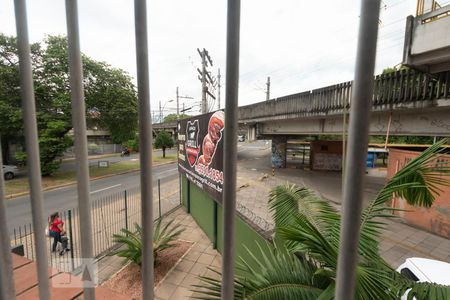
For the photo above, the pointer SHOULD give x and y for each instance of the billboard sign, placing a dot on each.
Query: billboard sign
(200, 151)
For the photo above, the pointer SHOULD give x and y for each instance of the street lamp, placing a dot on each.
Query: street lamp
(161, 109)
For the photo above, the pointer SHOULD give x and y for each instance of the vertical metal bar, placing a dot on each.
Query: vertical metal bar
(31, 244)
(159, 196)
(32, 146)
(126, 209)
(7, 287)
(79, 124)
(230, 147)
(26, 241)
(357, 149)
(71, 239)
(215, 229)
(179, 187)
(145, 145)
(188, 196)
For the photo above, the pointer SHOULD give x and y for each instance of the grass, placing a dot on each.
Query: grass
(20, 185)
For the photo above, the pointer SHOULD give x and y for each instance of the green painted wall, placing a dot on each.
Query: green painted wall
(245, 236)
(184, 184)
(202, 209)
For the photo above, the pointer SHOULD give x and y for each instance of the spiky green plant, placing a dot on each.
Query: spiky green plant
(309, 229)
(163, 237)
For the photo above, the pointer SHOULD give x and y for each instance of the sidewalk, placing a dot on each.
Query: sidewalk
(177, 284)
(398, 242)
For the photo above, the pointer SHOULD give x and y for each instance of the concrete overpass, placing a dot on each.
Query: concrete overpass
(415, 103)
(405, 102)
(412, 102)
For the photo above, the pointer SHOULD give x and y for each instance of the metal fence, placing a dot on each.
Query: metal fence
(109, 214)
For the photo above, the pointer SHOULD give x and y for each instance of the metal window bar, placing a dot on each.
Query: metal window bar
(145, 145)
(7, 287)
(357, 149)
(32, 146)
(230, 147)
(79, 124)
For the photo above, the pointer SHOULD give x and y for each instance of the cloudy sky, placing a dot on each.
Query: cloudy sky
(300, 44)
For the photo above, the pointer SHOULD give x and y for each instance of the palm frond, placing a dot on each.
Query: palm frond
(419, 183)
(281, 275)
(288, 202)
(162, 239)
(425, 290)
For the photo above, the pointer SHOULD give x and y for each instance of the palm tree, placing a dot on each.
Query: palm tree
(303, 262)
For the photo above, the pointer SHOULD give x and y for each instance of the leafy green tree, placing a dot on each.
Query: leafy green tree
(164, 140)
(303, 262)
(111, 100)
(173, 117)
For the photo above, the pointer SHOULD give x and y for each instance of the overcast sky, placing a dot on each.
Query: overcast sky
(300, 44)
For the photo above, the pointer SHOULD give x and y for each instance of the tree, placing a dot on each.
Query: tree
(110, 96)
(303, 262)
(173, 117)
(164, 140)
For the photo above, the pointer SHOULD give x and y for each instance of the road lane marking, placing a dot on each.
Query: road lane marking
(110, 187)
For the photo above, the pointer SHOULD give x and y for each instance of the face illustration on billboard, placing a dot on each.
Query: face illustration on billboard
(200, 151)
(210, 141)
(192, 146)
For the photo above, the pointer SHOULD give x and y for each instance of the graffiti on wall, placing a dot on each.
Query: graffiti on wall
(327, 161)
(278, 154)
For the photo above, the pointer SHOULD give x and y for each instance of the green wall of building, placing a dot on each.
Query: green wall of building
(202, 210)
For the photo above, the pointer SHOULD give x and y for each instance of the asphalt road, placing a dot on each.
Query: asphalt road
(19, 209)
(70, 165)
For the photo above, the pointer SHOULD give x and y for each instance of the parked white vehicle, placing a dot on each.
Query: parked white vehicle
(9, 172)
(425, 270)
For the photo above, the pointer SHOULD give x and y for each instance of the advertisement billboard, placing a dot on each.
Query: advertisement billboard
(200, 151)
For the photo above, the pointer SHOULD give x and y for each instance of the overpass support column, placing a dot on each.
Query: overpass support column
(251, 133)
(279, 152)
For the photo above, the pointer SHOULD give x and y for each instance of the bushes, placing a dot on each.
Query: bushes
(163, 236)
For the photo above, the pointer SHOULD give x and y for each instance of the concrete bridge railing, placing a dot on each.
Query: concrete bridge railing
(391, 90)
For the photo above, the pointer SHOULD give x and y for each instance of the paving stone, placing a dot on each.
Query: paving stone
(181, 293)
(189, 280)
(176, 277)
(198, 269)
(165, 290)
(184, 265)
(206, 259)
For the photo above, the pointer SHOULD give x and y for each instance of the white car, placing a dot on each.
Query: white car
(9, 172)
(425, 270)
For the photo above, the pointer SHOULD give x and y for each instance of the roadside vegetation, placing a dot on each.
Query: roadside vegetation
(302, 261)
(20, 185)
(110, 95)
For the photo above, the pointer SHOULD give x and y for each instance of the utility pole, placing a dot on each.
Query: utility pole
(268, 89)
(178, 106)
(178, 103)
(160, 112)
(205, 78)
(218, 85)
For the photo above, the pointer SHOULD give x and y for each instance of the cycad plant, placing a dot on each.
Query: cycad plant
(163, 237)
(307, 242)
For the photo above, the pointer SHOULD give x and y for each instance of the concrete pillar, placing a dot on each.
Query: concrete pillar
(279, 152)
(251, 133)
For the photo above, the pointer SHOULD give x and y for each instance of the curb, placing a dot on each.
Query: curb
(55, 187)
